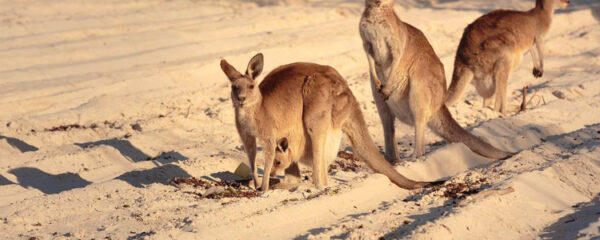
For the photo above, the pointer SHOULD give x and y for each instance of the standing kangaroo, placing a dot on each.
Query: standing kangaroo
(408, 81)
(308, 104)
(492, 47)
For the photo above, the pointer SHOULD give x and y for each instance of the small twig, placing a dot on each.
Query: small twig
(187, 114)
(543, 99)
(524, 103)
(486, 193)
(446, 227)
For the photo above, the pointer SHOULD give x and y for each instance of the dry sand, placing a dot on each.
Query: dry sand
(102, 102)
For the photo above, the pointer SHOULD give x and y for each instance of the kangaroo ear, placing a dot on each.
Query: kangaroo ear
(230, 71)
(283, 144)
(255, 66)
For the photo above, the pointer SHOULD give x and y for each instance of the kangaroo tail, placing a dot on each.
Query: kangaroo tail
(449, 129)
(461, 77)
(364, 147)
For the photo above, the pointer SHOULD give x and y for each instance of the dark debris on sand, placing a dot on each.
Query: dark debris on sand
(346, 162)
(217, 190)
(453, 189)
(67, 127)
(459, 190)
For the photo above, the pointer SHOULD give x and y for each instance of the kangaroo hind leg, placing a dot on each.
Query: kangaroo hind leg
(420, 105)
(500, 76)
(318, 108)
(317, 123)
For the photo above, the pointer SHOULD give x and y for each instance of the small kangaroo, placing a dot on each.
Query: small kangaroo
(492, 47)
(283, 157)
(408, 81)
(308, 104)
(283, 161)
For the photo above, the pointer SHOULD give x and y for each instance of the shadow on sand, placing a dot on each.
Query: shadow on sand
(161, 174)
(133, 153)
(17, 143)
(48, 183)
(569, 226)
(5, 181)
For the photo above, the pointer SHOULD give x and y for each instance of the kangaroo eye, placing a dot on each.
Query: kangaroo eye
(252, 86)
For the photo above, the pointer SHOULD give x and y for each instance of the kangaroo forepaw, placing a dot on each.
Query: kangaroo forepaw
(538, 72)
(384, 92)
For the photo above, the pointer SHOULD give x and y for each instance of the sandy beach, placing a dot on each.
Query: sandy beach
(103, 103)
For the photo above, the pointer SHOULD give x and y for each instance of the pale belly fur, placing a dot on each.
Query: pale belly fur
(332, 146)
(377, 36)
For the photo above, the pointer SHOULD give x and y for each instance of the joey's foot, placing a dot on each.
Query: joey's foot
(537, 73)
(417, 155)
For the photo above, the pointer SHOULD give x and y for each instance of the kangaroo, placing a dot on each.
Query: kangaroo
(492, 48)
(408, 82)
(311, 106)
(283, 161)
(283, 157)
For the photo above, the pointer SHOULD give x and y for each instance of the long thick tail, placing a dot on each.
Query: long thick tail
(449, 129)
(364, 147)
(461, 77)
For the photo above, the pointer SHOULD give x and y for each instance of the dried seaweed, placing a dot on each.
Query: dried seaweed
(454, 190)
(217, 190)
(67, 127)
(346, 162)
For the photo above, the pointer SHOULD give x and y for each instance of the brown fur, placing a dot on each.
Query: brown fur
(492, 47)
(408, 81)
(306, 104)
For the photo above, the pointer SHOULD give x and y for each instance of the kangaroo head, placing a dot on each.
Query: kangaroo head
(244, 90)
(553, 4)
(563, 4)
(283, 158)
(377, 3)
